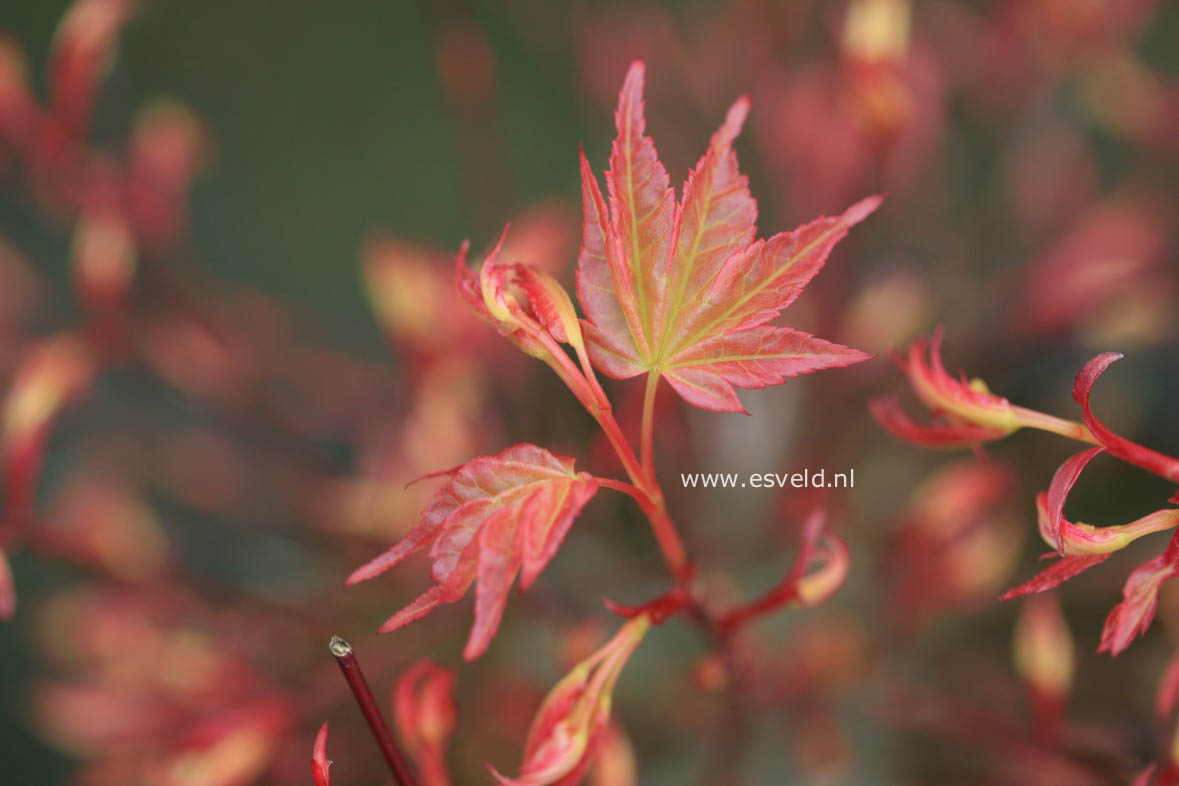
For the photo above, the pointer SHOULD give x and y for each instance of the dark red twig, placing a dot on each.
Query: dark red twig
(350, 668)
(785, 591)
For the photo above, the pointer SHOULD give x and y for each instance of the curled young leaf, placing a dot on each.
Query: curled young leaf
(495, 517)
(549, 303)
(487, 294)
(833, 560)
(966, 401)
(888, 413)
(565, 732)
(683, 291)
(819, 569)
(1130, 452)
(969, 413)
(1062, 483)
(531, 308)
(1079, 538)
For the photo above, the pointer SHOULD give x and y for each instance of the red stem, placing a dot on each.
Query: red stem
(626, 488)
(647, 441)
(776, 598)
(350, 668)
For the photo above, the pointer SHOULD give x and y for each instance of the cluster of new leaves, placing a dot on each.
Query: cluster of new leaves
(969, 414)
(680, 291)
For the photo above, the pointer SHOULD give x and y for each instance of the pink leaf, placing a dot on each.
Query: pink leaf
(494, 517)
(1140, 600)
(1055, 574)
(685, 292)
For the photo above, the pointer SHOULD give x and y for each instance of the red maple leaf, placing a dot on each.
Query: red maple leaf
(1056, 574)
(496, 516)
(1140, 600)
(683, 291)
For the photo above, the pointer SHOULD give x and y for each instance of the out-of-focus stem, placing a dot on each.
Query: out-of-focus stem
(350, 668)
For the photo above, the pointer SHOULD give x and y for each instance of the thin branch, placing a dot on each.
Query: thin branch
(350, 667)
(647, 447)
(626, 488)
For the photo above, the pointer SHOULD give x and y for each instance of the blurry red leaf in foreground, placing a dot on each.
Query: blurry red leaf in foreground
(230, 749)
(1044, 650)
(424, 711)
(495, 516)
(82, 49)
(1168, 692)
(50, 375)
(684, 291)
(7, 592)
(319, 759)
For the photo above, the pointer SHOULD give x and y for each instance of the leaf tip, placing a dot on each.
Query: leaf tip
(635, 74)
(862, 209)
(736, 116)
(363, 573)
(320, 764)
(1083, 385)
